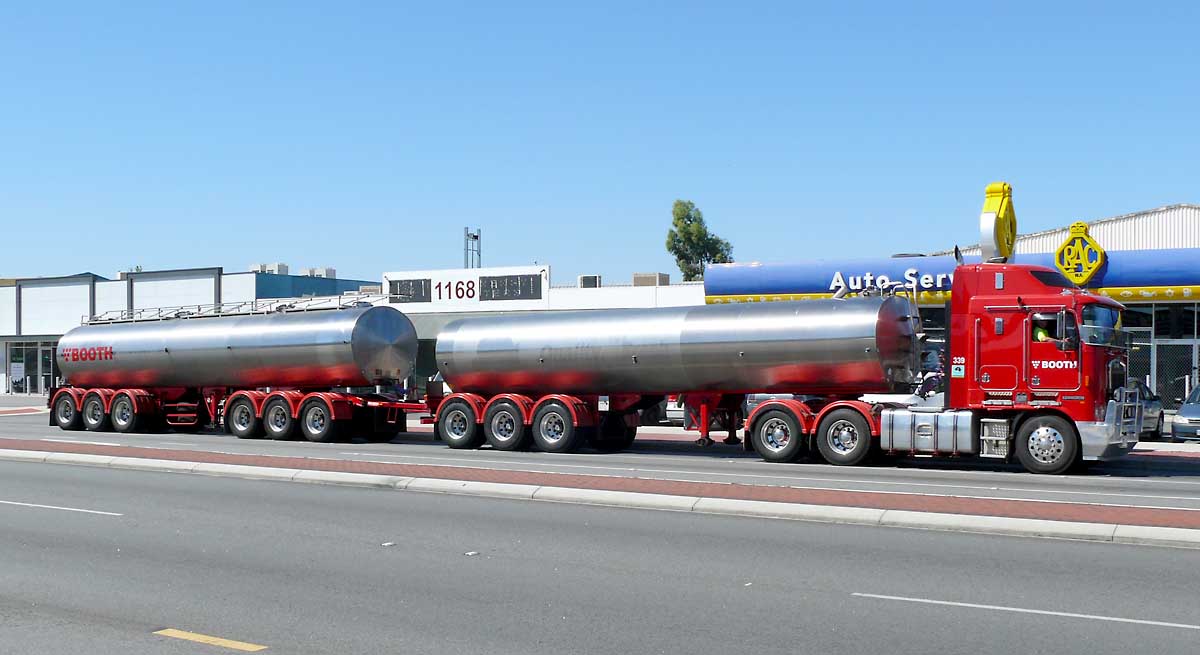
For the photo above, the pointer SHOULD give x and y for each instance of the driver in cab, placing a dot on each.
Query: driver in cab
(1044, 330)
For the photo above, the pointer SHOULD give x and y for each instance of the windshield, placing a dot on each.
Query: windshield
(1101, 325)
(1193, 397)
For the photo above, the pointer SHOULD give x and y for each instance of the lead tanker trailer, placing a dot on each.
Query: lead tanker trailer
(316, 373)
(559, 380)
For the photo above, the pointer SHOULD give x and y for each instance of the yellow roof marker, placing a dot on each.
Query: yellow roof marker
(210, 640)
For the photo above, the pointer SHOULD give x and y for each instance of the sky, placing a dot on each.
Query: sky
(365, 136)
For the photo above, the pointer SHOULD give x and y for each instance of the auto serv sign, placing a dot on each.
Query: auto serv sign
(930, 277)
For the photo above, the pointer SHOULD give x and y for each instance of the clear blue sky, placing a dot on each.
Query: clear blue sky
(366, 135)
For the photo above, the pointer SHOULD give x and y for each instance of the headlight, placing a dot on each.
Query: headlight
(1176, 418)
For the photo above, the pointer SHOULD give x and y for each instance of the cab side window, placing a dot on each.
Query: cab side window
(1044, 328)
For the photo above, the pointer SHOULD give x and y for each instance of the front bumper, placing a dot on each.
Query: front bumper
(1110, 438)
(1185, 430)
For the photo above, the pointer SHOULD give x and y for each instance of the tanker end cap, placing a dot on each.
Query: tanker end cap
(384, 342)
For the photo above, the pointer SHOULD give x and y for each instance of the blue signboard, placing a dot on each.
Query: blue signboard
(1124, 271)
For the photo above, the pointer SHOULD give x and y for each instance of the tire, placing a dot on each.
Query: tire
(94, 417)
(277, 420)
(844, 437)
(777, 437)
(66, 414)
(613, 434)
(317, 422)
(124, 414)
(457, 426)
(553, 429)
(504, 428)
(1157, 433)
(1047, 445)
(240, 420)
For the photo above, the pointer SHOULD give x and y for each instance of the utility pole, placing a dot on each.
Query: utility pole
(472, 248)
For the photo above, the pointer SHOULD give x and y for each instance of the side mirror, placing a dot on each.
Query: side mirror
(1061, 328)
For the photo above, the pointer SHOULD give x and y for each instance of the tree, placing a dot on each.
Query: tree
(690, 242)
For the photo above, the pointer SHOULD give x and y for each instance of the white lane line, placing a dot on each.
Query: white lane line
(1023, 610)
(459, 463)
(90, 443)
(65, 509)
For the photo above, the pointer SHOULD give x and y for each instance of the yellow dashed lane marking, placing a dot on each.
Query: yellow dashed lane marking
(210, 640)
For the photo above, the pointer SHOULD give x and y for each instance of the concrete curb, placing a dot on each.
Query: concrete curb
(1104, 532)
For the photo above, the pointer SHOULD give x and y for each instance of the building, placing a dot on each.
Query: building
(1149, 260)
(35, 312)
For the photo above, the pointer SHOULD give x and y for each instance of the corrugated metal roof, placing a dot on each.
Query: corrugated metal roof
(1173, 226)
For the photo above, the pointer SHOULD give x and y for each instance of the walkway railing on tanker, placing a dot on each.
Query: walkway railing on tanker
(243, 308)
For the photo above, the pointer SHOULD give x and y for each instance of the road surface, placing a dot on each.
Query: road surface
(98, 561)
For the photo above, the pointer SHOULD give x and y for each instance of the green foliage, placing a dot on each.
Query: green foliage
(690, 242)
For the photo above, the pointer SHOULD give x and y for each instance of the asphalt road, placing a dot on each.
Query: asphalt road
(1136, 481)
(305, 569)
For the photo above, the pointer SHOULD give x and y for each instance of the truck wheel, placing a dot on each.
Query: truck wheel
(777, 437)
(124, 414)
(277, 420)
(241, 421)
(844, 438)
(316, 422)
(1047, 444)
(457, 426)
(553, 429)
(94, 418)
(504, 428)
(66, 414)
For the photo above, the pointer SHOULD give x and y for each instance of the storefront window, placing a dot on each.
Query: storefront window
(1138, 316)
(1175, 321)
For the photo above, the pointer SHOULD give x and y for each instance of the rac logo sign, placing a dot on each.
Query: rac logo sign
(1079, 257)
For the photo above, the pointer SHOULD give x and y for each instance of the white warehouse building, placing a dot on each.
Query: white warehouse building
(35, 312)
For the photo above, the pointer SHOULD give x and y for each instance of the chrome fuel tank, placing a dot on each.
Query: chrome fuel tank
(317, 349)
(851, 346)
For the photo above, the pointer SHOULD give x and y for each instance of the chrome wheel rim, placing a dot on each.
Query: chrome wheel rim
(122, 413)
(242, 417)
(456, 423)
(315, 419)
(842, 437)
(1046, 445)
(775, 434)
(552, 427)
(65, 411)
(277, 418)
(93, 411)
(504, 426)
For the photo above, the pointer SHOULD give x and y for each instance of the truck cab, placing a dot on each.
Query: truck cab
(1039, 359)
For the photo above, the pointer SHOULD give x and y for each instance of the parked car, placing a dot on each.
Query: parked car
(1152, 411)
(669, 411)
(1185, 426)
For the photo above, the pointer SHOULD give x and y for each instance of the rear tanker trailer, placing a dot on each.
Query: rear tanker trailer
(316, 373)
(558, 380)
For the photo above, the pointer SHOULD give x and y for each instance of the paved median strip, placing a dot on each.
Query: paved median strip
(855, 515)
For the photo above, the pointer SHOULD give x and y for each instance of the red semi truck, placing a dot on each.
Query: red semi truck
(1036, 371)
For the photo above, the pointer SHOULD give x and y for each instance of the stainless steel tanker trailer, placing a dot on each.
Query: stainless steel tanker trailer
(317, 373)
(558, 380)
